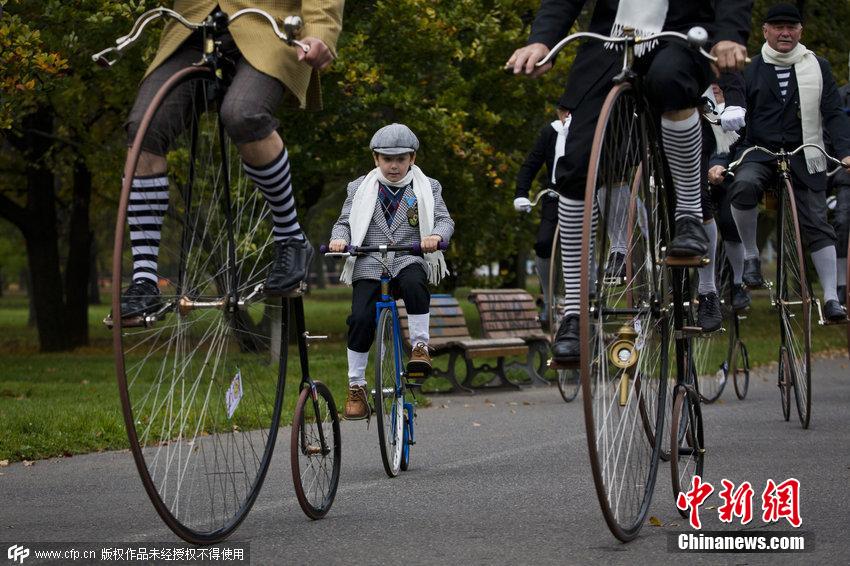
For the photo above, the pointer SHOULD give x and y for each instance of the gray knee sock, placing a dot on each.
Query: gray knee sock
(747, 223)
(735, 255)
(706, 273)
(824, 260)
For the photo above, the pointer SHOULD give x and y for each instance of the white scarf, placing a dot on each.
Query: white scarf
(644, 16)
(563, 128)
(363, 208)
(723, 140)
(810, 85)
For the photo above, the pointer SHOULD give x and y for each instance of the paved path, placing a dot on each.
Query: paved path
(499, 477)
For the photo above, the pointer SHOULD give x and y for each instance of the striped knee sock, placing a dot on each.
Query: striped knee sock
(683, 147)
(145, 213)
(570, 213)
(275, 182)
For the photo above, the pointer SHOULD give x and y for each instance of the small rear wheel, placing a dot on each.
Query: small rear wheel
(687, 450)
(741, 369)
(315, 450)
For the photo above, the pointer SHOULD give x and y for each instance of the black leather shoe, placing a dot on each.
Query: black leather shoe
(740, 298)
(291, 262)
(709, 317)
(833, 311)
(752, 273)
(616, 268)
(690, 239)
(566, 347)
(140, 298)
(842, 294)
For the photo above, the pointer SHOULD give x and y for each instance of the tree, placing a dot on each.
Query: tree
(60, 116)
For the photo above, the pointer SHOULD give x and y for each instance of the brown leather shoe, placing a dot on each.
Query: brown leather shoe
(419, 366)
(357, 404)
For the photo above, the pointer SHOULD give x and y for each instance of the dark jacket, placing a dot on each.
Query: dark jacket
(723, 19)
(775, 124)
(543, 153)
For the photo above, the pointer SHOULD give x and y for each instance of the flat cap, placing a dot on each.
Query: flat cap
(394, 139)
(783, 13)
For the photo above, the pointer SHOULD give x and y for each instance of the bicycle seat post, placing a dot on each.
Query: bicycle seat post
(626, 73)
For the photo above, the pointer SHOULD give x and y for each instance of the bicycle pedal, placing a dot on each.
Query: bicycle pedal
(685, 261)
(698, 332)
(561, 364)
(614, 281)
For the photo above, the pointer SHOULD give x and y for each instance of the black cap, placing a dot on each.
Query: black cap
(783, 13)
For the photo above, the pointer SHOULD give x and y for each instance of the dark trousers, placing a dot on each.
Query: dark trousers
(546, 230)
(247, 112)
(674, 76)
(411, 284)
(748, 188)
(721, 199)
(841, 217)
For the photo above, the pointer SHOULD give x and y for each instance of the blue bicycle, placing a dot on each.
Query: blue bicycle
(392, 400)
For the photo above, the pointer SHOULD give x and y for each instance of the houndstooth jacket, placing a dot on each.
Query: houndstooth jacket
(401, 233)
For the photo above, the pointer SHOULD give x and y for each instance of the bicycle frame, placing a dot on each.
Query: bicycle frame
(388, 303)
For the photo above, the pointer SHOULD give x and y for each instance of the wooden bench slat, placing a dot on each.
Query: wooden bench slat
(506, 307)
(498, 352)
(502, 315)
(438, 322)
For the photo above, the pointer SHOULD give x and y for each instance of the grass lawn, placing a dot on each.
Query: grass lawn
(65, 404)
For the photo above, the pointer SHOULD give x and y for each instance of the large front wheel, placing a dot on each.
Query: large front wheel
(795, 305)
(389, 395)
(625, 313)
(201, 371)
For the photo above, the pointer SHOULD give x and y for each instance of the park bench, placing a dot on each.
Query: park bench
(512, 313)
(450, 337)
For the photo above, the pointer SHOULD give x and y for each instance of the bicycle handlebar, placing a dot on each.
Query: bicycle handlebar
(696, 38)
(539, 196)
(292, 26)
(782, 154)
(415, 249)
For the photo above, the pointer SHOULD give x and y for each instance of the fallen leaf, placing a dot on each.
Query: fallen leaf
(513, 411)
(655, 521)
(4, 463)
(490, 404)
(527, 403)
(85, 382)
(29, 463)
(444, 406)
(513, 403)
(712, 507)
(466, 405)
(476, 424)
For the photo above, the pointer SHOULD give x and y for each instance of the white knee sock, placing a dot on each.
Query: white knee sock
(418, 327)
(735, 255)
(706, 272)
(747, 222)
(683, 146)
(357, 367)
(618, 212)
(824, 260)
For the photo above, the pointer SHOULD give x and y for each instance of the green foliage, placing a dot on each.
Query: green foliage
(435, 66)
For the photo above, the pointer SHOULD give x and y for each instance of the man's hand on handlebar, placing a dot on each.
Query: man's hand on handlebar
(429, 243)
(337, 246)
(846, 162)
(524, 59)
(522, 204)
(716, 174)
(319, 56)
(731, 56)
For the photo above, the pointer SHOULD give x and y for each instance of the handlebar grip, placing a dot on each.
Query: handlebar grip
(323, 249)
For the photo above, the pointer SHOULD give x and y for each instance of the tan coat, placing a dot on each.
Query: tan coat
(258, 43)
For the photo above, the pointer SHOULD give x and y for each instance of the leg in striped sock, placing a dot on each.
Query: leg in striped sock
(145, 213)
(293, 253)
(683, 146)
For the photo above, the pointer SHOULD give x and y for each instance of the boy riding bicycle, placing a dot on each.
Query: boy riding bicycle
(267, 71)
(395, 204)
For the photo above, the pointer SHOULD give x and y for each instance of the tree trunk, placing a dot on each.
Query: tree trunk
(79, 258)
(94, 275)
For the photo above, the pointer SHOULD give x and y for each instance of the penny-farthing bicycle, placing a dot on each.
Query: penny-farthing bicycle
(201, 376)
(632, 327)
(792, 295)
